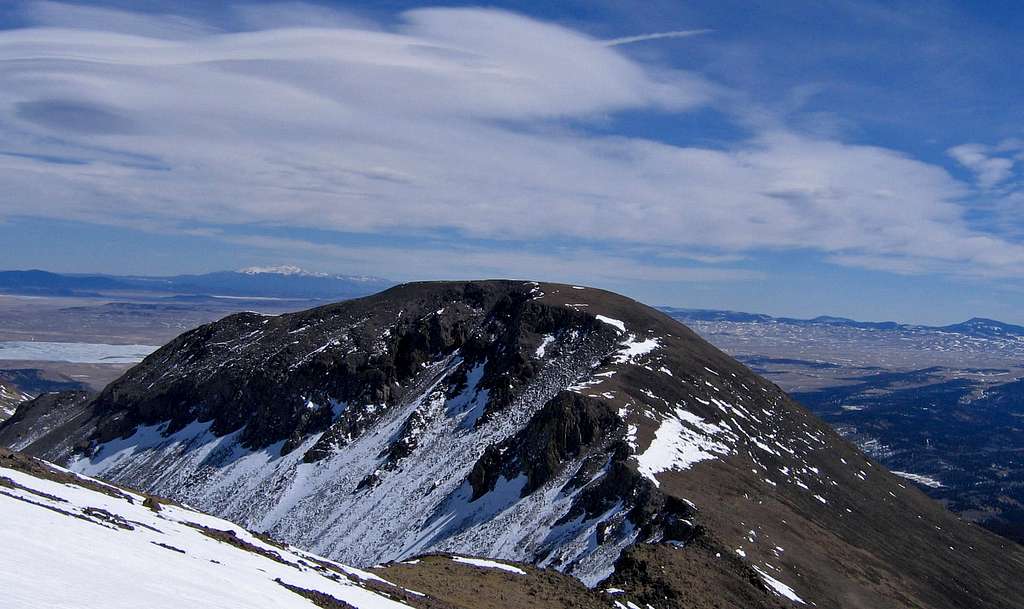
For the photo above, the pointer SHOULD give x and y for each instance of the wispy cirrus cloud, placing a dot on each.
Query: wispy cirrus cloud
(450, 123)
(655, 36)
(83, 17)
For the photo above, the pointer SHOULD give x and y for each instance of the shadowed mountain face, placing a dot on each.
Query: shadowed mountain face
(548, 424)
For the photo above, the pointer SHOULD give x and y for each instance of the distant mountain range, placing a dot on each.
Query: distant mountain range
(292, 282)
(288, 282)
(977, 327)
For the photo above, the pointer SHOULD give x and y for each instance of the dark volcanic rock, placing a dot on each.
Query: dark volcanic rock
(289, 370)
(567, 425)
(46, 421)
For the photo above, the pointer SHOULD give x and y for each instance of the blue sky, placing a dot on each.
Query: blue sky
(847, 158)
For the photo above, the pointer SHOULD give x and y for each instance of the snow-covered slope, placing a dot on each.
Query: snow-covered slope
(548, 424)
(73, 542)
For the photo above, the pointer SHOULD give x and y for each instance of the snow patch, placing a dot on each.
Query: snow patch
(611, 322)
(488, 564)
(633, 349)
(778, 587)
(682, 440)
(542, 349)
(920, 479)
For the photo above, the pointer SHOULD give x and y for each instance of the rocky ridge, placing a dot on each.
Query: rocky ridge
(10, 397)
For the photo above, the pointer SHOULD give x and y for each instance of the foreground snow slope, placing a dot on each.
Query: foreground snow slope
(73, 541)
(71, 546)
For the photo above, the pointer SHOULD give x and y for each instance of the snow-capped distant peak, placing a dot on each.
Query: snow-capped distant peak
(284, 269)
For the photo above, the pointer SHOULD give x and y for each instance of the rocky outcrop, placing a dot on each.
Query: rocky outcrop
(562, 430)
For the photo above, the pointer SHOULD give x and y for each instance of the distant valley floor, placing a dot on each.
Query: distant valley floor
(944, 407)
(57, 343)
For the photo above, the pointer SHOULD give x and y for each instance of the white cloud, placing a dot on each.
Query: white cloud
(296, 14)
(990, 170)
(465, 122)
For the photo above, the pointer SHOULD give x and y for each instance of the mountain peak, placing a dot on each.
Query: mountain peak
(548, 424)
(283, 269)
(981, 326)
(984, 321)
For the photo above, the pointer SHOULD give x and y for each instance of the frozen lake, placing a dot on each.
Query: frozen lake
(78, 353)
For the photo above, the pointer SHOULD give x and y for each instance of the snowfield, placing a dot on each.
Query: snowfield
(70, 546)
